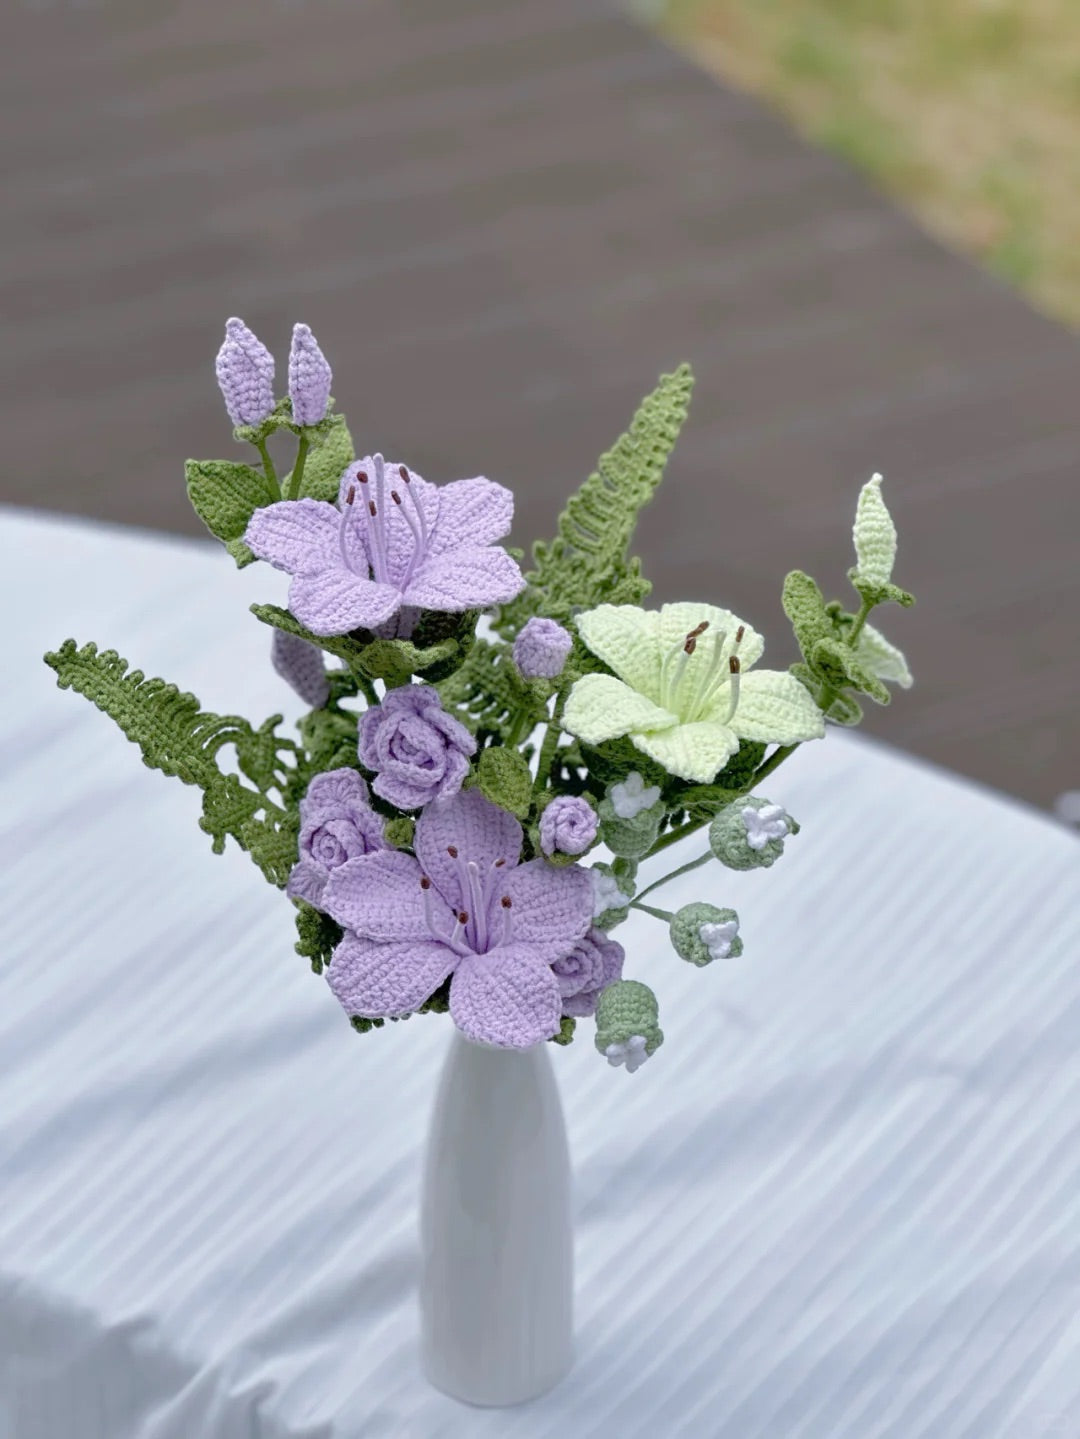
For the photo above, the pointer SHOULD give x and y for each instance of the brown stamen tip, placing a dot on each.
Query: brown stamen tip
(425, 883)
(451, 850)
(699, 629)
(351, 495)
(734, 665)
(361, 475)
(499, 863)
(691, 644)
(372, 509)
(403, 472)
(463, 916)
(739, 634)
(395, 497)
(506, 901)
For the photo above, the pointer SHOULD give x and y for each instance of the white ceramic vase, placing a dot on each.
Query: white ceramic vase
(497, 1284)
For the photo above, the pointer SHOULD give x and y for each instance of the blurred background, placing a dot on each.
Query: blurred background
(858, 219)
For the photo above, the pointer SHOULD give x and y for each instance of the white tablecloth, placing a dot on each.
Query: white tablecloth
(843, 1201)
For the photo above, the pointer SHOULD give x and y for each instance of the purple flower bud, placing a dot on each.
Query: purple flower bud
(300, 664)
(568, 824)
(541, 648)
(245, 373)
(309, 377)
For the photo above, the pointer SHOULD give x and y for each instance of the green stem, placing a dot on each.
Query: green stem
(298, 468)
(664, 914)
(269, 471)
(860, 619)
(683, 869)
(674, 835)
(549, 746)
(776, 759)
(366, 688)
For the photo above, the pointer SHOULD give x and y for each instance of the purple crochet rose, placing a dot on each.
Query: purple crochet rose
(309, 377)
(417, 751)
(245, 375)
(567, 824)
(301, 665)
(336, 824)
(465, 908)
(594, 962)
(541, 648)
(391, 540)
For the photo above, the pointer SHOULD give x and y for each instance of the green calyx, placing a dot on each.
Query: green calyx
(625, 1009)
(629, 838)
(691, 944)
(729, 836)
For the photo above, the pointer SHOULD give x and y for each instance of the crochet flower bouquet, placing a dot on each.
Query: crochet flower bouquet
(439, 821)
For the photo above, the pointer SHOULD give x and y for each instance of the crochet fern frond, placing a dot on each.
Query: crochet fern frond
(588, 562)
(488, 692)
(176, 736)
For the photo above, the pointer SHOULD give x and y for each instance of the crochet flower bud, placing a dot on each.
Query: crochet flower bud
(701, 933)
(627, 1027)
(300, 664)
(629, 836)
(310, 377)
(568, 825)
(750, 833)
(541, 648)
(245, 375)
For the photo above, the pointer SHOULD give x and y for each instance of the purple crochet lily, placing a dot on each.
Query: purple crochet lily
(465, 908)
(393, 539)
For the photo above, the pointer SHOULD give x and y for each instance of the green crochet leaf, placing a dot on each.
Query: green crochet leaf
(240, 553)
(225, 495)
(588, 562)
(325, 464)
(396, 661)
(566, 1030)
(503, 776)
(180, 739)
(838, 665)
(343, 647)
(271, 842)
(329, 739)
(318, 935)
(400, 831)
(805, 607)
(876, 594)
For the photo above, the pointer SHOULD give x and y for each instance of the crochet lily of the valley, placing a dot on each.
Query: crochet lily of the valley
(489, 756)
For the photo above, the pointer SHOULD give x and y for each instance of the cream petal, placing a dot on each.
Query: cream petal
(600, 707)
(625, 638)
(776, 708)
(694, 752)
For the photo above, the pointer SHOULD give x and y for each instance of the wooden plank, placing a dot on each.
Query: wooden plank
(502, 221)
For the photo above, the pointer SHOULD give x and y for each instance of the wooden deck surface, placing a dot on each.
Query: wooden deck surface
(502, 218)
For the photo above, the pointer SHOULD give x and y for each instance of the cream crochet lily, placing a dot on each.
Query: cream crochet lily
(681, 688)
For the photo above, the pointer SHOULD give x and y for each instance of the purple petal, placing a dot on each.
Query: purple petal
(337, 601)
(551, 907)
(300, 536)
(507, 997)
(477, 829)
(471, 512)
(379, 897)
(465, 577)
(333, 788)
(301, 665)
(307, 880)
(379, 980)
